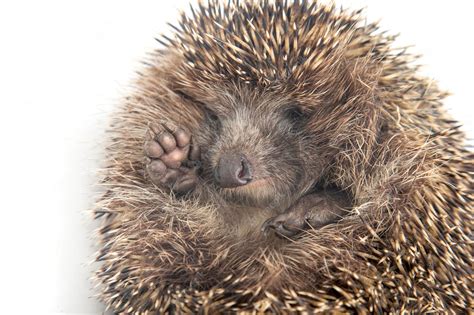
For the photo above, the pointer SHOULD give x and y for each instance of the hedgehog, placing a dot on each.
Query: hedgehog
(284, 157)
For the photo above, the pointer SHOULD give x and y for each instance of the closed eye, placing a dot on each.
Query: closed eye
(212, 117)
(295, 114)
(210, 114)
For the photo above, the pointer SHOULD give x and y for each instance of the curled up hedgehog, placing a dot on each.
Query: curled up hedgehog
(282, 157)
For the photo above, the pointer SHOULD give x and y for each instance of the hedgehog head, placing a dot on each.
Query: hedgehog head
(274, 81)
(254, 146)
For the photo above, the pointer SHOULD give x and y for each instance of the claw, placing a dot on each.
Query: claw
(280, 228)
(192, 164)
(313, 211)
(266, 226)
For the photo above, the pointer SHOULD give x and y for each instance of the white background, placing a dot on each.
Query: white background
(64, 66)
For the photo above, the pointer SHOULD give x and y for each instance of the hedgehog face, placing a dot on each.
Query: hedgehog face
(254, 149)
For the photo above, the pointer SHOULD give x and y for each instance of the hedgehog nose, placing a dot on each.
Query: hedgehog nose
(233, 170)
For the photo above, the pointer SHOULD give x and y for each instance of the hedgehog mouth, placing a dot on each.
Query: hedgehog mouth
(257, 191)
(260, 182)
(252, 184)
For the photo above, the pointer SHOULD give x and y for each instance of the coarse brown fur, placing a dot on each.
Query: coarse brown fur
(373, 127)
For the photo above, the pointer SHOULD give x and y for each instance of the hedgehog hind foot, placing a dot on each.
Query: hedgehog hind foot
(172, 160)
(314, 210)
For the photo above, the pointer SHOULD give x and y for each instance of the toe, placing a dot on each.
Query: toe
(186, 183)
(155, 129)
(170, 177)
(167, 141)
(153, 149)
(157, 167)
(156, 170)
(182, 137)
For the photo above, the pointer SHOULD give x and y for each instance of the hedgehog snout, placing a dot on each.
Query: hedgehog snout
(233, 170)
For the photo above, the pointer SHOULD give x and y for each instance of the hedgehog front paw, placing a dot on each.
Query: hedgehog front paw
(172, 160)
(311, 211)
